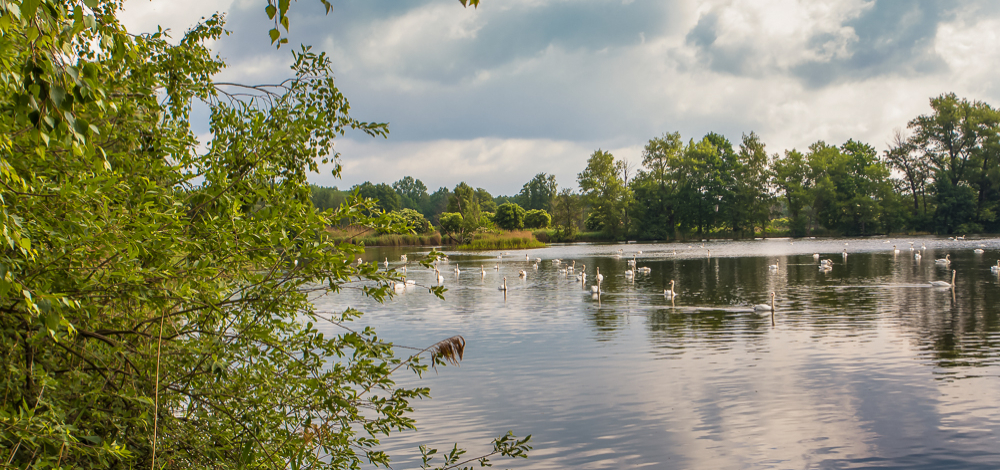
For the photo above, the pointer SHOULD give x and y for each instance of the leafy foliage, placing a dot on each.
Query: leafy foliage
(537, 218)
(509, 216)
(155, 295)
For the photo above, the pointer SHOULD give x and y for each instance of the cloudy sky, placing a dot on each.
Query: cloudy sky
(492, 96)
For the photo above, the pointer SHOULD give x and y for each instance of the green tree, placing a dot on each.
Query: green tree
(537, 218)
(509, 216)
(655, 187)
(437, 203)
(416, 220)
(485, 200)
(603, 186)
(793, 180)
(751, 200)
(155, 295)
(567, 209)
(464, 201)
(412, 193)
(385, 197)
(538, 192)
(324, 198)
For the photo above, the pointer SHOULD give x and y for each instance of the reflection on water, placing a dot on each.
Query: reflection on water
(867, 365)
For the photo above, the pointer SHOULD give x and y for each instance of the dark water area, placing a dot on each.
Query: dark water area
(866, 365)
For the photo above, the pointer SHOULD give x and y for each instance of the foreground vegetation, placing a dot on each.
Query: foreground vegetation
(155, 294)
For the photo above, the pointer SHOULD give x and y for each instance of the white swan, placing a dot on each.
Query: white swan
(402, 258)
(815, 255)
(440, 278)
(773, 267)
(504, 286)
(482, 270)
(895, 251)
(595, 288)
(979, 251)
(943, 283)
(945, 260)
(386, 264)
(600, 277)
(845, 253)
(629, 273)
(917, 255)
(995, 269)
(523, 274)
(765, 307)
(670, 293)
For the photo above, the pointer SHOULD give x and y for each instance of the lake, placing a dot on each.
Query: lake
(866, 364)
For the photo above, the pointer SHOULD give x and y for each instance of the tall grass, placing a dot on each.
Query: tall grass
(360, 237)
(516, 240)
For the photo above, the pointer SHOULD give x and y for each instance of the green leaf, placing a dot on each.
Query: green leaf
(270, 10)
(274, 35)
(28, 8)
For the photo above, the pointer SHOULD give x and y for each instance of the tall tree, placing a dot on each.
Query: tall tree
(752, 199)
(538, 192)
(567, 209)
(793, 179)
(904, 157)
(655, 188)
(386, 197)
(412, 192)
(603, 186)
(464, 201)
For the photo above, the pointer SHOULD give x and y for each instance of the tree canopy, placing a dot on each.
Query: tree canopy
(156, 292)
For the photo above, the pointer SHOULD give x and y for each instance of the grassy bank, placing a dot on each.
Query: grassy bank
(503, 241)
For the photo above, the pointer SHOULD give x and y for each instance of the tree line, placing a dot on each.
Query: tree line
(941, 175)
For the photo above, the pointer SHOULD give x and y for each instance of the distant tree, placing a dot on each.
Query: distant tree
(751, 201)
(538, 192)
(463, 200)
(324, 198)
(387, 198)
(603, 186)
(904, 156)
(655, 187)
(509, 216)
(537, 218)
(437, 203)
(485, 200)
(959, 142)
(567, 209)
(412, 193)
(792, 178)
(498, 200)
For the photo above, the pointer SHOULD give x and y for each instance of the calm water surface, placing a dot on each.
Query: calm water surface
(866, 365)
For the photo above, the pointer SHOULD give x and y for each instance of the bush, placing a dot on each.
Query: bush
(537, 218)
(451, 222)
(416, 220)
(509, 216)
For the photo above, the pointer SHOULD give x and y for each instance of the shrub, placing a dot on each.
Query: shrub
(537, 218)
(509, 216)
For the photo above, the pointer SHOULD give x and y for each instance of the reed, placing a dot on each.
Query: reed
(515, 240)
(392, 239)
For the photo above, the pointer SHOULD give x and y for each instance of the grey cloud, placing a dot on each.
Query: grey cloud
(894, 38)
